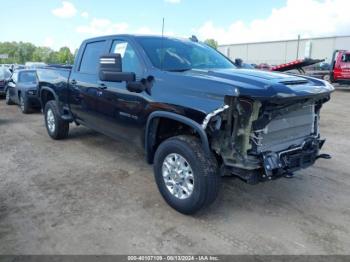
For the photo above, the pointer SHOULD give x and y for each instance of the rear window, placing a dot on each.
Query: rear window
(91, 57)
(27, 77)
(346, 58)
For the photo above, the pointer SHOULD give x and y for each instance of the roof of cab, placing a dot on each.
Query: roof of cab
(99, 38)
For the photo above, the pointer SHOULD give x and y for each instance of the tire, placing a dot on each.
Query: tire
(8, 97)
(206, 179)
(327, 78)
(23, 104)
(56, 127)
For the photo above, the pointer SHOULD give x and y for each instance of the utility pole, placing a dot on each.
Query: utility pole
(298, 47)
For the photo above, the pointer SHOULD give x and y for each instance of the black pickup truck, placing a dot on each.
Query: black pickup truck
(194, 114)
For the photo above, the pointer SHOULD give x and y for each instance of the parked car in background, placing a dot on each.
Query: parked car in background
(22, 90)
(33, 65)
(19, 67)
(340, 67)
(240, 64)
(5, 75)
(263, 66)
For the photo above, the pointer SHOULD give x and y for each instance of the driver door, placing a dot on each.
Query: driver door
(122, 110)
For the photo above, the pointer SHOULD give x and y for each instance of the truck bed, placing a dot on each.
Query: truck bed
(55, 79)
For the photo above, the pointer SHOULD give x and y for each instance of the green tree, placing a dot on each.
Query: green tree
(20, 53)
(65, 56)
(53, 58)
(42, 54)
(212, 42)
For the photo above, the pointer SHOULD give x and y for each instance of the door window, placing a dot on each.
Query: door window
(346, 58)
(130, 61)
(27, 77)
(91, 57)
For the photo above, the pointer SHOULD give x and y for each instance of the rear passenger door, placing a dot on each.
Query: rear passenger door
(84, 84)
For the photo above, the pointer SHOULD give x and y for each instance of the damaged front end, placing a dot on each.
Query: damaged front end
(263, 140)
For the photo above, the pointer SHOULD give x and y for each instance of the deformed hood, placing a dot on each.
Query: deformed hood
(267, 85)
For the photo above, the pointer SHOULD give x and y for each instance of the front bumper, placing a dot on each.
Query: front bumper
(287, 161)
(280, 164)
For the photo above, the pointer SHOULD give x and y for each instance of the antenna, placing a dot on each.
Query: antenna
(163, 27)
(162, 46)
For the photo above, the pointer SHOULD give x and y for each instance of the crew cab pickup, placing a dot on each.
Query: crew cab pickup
(196, 116)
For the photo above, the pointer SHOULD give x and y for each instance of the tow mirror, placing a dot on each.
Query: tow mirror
(111, 69)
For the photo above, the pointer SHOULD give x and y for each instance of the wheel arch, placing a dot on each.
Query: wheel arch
(152, 130)
(47, 94)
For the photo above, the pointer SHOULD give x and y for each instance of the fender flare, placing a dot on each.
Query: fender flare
(45, 88)
(150, 134)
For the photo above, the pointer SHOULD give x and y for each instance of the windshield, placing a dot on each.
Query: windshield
(181, 55)
(346, 58)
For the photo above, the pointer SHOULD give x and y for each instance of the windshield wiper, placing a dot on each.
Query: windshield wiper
(179, 69)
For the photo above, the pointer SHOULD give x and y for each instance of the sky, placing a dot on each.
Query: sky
(57, 23)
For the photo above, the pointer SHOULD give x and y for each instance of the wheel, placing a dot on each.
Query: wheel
(327, 78)
(186, 177)
(8, 97)
(23, 104)
(56, 127)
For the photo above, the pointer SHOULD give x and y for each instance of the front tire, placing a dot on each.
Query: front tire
(23, 104)
(186, 177)
(56, 127)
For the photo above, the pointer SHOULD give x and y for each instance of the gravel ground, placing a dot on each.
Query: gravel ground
(92, 195)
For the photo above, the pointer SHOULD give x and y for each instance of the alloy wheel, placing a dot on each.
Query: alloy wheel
(50, 119)
(178, 176)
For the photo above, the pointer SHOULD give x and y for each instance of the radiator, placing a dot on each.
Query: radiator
(287, 130)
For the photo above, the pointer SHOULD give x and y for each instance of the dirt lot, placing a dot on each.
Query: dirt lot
(92, 195)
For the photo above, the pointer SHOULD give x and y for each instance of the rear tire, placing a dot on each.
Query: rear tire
(8, 97)
(327, 78)
(56, 127)
(204, 187)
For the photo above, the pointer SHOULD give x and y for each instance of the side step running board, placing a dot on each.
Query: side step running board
(324, 156)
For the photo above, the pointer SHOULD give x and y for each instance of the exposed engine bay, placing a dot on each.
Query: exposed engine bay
(261, 141)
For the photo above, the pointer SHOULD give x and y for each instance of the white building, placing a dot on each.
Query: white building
(278, 52)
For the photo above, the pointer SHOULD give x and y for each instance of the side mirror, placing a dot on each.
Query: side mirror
(111, 69)
(145, 84)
